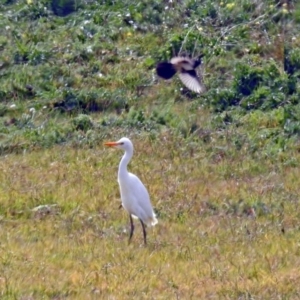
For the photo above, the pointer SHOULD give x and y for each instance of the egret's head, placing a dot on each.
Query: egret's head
(124, 143)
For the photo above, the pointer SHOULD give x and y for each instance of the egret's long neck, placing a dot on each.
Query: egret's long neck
(124, 162)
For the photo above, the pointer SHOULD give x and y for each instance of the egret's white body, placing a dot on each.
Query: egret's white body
(135, 198)
(134, 195)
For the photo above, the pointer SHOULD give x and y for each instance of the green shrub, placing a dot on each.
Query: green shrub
(256, 99)
(83, 122)
(221, 99)
(292, 61)
(3, 109)
(247, 78)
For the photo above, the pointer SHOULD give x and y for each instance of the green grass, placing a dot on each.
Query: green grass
(69, 82)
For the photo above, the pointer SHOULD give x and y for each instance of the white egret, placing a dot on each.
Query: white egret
(186, 68)
(134, 195)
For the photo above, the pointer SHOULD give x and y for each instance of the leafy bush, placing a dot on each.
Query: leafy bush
(188, 42)
(247, 79)
(91, 100)
(255, 87)
(292, 61)
(3, 109)
(221, 99)
(82, 122)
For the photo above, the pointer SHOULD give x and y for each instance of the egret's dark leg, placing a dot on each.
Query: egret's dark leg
(131, 228)
(144, 232)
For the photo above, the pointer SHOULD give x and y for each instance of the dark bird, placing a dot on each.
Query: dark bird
(186, 68)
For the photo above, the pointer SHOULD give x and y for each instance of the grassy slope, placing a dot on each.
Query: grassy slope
(206, 164)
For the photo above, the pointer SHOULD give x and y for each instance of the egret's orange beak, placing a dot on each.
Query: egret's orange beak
(111, 144)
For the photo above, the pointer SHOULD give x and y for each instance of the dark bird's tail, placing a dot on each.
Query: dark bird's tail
(165, 70)
(198, 61)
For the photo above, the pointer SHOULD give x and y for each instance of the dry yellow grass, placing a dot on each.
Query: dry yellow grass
(206, 244)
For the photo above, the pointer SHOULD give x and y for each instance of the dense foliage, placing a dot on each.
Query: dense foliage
(66, 58)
